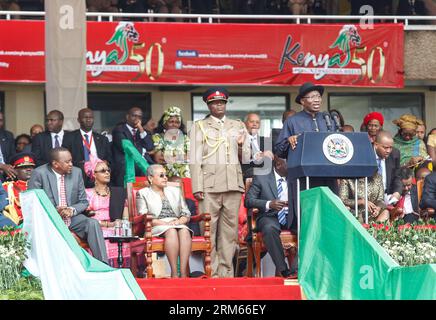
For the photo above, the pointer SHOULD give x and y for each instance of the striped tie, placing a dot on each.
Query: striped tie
(284, 212)
(63, 199)
(85, 148)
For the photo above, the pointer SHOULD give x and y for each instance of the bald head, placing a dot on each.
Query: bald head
(421, 173)
(35, 129)
(287, 114)
(252, 122)
(383, 136)
(383, 144)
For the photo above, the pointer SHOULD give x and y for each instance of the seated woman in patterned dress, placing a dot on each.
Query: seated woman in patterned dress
(171, 215)
(376, 208)
(106, 204)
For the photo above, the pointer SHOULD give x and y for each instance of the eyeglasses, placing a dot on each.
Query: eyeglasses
(162, 175)
(103, 171)
(317, 96)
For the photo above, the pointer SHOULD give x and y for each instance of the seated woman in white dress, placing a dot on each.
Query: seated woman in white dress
(171, 214)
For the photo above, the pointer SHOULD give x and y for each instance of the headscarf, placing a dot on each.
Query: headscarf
(373, 116)
(90, 165)
(407, 121)
(172, 112)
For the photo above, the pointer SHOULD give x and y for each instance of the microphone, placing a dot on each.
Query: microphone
(328, 121)
(337, 120)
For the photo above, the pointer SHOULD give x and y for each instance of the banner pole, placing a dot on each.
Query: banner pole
(366, 200)
(356, 198)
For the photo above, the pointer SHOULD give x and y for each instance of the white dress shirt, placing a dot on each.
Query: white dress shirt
(142, 134)
(93, 148)
(60, 135)
(284, 196)
(58, 180)
(408, 207)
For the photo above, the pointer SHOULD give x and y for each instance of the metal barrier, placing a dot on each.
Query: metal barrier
(409, 21)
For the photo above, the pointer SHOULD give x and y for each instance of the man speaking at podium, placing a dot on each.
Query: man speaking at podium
(308, 120)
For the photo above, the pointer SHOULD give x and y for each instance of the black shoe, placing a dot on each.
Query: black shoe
(286, 273)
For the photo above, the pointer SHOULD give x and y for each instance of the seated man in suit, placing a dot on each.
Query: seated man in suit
(64, 186)
(43, 142)
(269, 194)
(84, 142)
(388, 162)
(131, 130)
(409, 198)
(7, 150)
(428, 199)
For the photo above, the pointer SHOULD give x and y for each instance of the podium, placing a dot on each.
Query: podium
(331, 155)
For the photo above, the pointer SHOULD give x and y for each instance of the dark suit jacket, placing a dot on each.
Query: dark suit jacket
(262, 190)
(118, 134)
(44, 178)
(116, 202)
(428, 199)
(393, 181)
(414, 198)
(73, 142)
(41, 145)
(7, 143)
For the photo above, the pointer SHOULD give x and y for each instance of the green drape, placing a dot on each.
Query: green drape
(339, 259)
(132, 157)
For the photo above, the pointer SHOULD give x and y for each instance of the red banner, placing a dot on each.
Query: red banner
(244, 54)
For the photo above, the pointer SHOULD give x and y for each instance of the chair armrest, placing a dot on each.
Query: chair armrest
(254, 214)
(138, 225)
(206, 218)
(200, 217)
(148, 225)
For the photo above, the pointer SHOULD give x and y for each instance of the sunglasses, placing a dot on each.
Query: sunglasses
(103, 171)
(162, 175)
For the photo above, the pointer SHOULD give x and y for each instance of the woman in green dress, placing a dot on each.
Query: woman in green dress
(172, 141)
(412, 150)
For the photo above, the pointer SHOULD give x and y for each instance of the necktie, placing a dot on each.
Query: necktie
(379, 167)
(63, 199)
(283, 212)
(315, 125)
(57, 144)
(134, 135)
(85, 148)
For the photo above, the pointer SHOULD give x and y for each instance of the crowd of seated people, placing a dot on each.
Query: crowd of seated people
(252, 7)
(403, 158)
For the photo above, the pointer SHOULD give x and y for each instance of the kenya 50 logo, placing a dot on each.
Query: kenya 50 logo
(347, 51)
(126, 40)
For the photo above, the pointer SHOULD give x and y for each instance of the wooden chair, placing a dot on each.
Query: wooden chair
(425, 213)
(289, 242)
(244, 251)
(145, 247)
(83, 243)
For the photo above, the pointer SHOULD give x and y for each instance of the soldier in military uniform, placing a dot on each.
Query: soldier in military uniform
(217, 146)
(23, 163)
